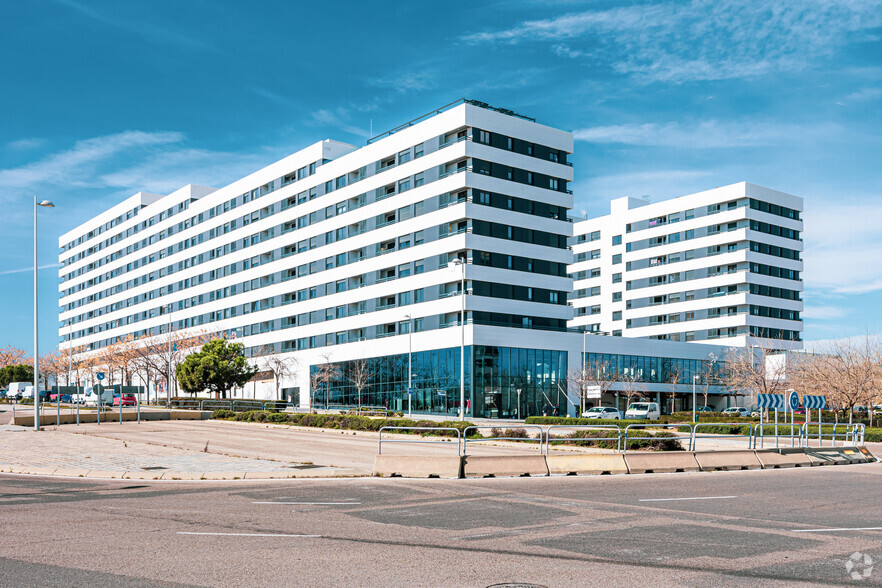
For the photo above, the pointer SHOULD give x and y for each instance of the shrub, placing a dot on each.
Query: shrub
(223, 414)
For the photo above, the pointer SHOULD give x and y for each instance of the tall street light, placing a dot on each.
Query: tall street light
(694, 380)
(47, 204)
(453, 265)
(409, 365)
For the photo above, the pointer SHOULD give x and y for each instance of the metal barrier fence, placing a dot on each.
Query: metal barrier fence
(617, 428)
(759, 436)
(184, 403)
(465, 436)
(854, 432)
(694, 437)
(459, 446)
(635, 426)
(246, 405)
(216, 404)
(276, 405)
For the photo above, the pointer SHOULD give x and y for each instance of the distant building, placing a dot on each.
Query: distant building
(722, 266)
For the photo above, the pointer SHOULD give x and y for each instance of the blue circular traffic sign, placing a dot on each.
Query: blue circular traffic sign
(100, 376)
(793, 400)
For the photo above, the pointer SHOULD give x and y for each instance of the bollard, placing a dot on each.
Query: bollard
(138, 407)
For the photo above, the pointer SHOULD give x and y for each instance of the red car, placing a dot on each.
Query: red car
(127, 400)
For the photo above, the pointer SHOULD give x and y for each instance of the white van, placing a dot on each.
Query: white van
(20, 390)
(643, 410)
(92, 396)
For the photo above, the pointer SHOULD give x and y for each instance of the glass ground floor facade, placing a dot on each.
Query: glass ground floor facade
(500, 382)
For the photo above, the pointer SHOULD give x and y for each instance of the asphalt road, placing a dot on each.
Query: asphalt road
(754, 528)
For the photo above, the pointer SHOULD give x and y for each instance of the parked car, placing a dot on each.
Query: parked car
(125, 400)
(602, 412)
(736, 411)
(643, 410)
(703, 409)
(54, 397)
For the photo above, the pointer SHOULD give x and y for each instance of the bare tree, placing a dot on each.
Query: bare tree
(632, 385)
(11, 355)
(598, 375)
(360, 374)
(709, 376)
(745, 373)
(281, 367)
(325, 373)
(674, 374)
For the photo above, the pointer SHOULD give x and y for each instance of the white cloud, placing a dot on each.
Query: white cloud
(76, 166)
(864, 95)
(564, 50)
(29, 269)
(338, 119)
(823, 312)
(843, 242)
(703, 135)
(157, 34)
(705, 39)
(25, 144)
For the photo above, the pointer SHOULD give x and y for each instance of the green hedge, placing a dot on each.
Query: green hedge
(340, 421)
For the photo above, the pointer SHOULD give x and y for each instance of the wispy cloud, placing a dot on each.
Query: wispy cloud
(339, 119)
(29, 269)
(76, 166)
(25, 144)
(843, 242)
(704, 39)
(862, 95)
(703, 135)
(157, 34)
(823, 312)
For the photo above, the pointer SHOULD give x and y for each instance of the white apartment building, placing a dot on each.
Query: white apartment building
(339, 253)
(721, 266)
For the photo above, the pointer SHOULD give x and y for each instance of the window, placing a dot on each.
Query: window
(617, 315)
(553, 183)
(483, 137)
(616, 278)
(617, 297)
(617, 240)
(617, 258)
(595, 236)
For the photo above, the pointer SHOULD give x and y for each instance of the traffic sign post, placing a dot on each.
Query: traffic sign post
(792, 404)
(100, 376)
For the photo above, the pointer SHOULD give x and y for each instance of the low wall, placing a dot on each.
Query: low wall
(49, 417)
(613, 463)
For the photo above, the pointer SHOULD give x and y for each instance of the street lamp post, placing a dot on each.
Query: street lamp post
(453, 264)
(47, 204)
(409, 365)
(694, 380)
(584, 371)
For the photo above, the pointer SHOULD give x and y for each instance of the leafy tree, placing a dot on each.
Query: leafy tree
(217, 367)
(16, 373)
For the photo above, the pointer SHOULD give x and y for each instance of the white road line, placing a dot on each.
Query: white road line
(690, 498)
(245, 534)
(309, 503)
(833, 530)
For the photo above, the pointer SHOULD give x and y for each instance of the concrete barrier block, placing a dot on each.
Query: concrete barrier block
(783, 458)
(868, 455)
(835, 455)
(189, 415)
(416, 466)
(744, 459)
(579, 464)
(496, 466)
(660, 462)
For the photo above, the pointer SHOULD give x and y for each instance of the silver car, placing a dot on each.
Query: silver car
(602, 412)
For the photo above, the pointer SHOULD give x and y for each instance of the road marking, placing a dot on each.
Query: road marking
(244, 534)
(690, 498)
(309, 503)
(833, 530)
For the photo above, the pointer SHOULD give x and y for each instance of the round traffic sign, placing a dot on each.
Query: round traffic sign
(793, 400)
(100, 376)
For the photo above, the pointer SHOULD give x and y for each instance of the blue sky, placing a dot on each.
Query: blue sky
(105, 98)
